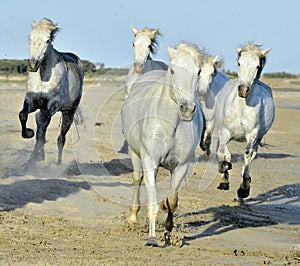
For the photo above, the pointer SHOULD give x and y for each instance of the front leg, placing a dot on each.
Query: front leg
(170, 204)
(150, 176)
(28, 107)
(137, 180)
(249, 155)
(42, 121)
(224, 157)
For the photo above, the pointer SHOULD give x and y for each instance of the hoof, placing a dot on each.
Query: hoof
(131, 222)
(28, 133)
(167, 238)
(151, 242)
(223, 186)
(243, 193)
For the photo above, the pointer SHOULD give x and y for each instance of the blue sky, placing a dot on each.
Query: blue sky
(99, 31)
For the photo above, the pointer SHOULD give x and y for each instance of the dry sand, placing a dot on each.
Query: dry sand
(75, 214)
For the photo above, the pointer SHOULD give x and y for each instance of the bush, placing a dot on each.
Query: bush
(280, 75)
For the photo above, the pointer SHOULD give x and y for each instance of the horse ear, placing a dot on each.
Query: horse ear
(171, 52)
(33, 24)
(134, 30)
(264, 52)
(238, 49)
(154, 32)
(215, 59)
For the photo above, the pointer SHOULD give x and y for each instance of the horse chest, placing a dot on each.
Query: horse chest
(241, 121)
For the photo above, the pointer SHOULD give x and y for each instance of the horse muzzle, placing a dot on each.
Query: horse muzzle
(138, 67)
(187, 111)
(33, 65)
(243, 91)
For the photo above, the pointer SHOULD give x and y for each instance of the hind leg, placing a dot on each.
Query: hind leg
(28, 107)
(67, 120)
(42, 119)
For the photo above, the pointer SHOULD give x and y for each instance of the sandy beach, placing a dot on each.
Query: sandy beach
(75, 213)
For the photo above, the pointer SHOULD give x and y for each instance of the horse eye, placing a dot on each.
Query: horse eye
(239, 64)
(48, 41)
(172, 71)
(199, 72)
(258, 67)
(133, 44)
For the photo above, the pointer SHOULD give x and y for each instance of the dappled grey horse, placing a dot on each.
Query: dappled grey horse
(244, 112)
(163, 122)
(54, 84)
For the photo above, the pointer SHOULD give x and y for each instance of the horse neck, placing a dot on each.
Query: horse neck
(49, 62)
(149, 57)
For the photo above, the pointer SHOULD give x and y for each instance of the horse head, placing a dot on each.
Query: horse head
(144, 43)
(184, 72)
(251, 60)
(208, 71)
(40, 41)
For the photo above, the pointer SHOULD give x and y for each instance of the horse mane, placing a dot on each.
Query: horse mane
(193, 50)
(47, 24)
(153, 37)
(208, 59)
(255, 48)
(251, 47)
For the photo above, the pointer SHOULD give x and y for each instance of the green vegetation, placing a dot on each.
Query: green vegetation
(231, 74)
(280, 75)
(8, 66)
(19, 67)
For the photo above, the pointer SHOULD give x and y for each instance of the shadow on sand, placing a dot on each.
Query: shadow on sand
(280, 205)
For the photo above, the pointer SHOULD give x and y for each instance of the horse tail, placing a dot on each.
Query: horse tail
(78, 117)
(81, 67)
(78, 121)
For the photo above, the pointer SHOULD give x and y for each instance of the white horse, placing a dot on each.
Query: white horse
(144, 44)
(244, 112)
(212, 80)
(54, 84)
(163, 122)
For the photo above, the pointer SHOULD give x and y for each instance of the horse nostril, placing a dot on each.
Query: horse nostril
(33, 64)
(138, 66)
(182, 107)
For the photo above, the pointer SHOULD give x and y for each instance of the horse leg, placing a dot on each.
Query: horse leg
(206, 139)
(150, 176)
(67, 120)
(224, 158)
(170, 204)
(205, 143)
(249, 155)
(28, 107)
(42, 119)
(137, 180)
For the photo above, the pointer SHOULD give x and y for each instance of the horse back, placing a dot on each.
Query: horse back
(72, 60)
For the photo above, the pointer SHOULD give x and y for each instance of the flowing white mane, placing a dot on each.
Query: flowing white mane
(216, 64)
(152, 35)
(251, 47)
(193, 50)
(46, 24)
